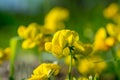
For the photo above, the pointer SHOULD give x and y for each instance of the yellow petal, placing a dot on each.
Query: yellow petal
(111, 29)
(28, 43)
(32, 30)
(110, 41)
(100, 34)
(66, 51)
(63, 38)
(57, 51)
(86, 66)
(55, 38)
(21, 31)
(48, 46)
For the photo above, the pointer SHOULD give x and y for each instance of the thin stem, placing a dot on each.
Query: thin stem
(70, 66)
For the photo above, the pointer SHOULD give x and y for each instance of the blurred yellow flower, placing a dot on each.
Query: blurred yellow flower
(54, 19)
(39, 77)
(4, 54)
(113, 30)
(61, 42)
(36, 35)
(91, 65)
(43, 71)
(29, 34)
(28, 44)
(85, 66)
(102, 42)
(111, 10)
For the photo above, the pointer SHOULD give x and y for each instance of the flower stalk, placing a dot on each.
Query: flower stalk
(70, 66)
(13, 46)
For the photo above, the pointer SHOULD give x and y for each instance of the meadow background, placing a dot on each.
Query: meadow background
(83, 14)
(86, 17)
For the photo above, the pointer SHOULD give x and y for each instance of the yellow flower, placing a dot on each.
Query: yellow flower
(21, 31)
(39, 77)
(61, 42)
(91, 65)
(84, 49)
(28, 32)
(113, 30)
(85, 66)
(111, 10)
(43, 71)
(4, 54)
(36, 35)
(54, 19)
(102, 42)
(28, 44)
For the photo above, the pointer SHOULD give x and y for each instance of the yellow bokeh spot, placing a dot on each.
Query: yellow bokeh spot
(111, 10)
(53, 20)
(86, 66)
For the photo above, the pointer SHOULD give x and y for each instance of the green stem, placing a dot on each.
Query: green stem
(70, 66)
(96, 77)
(115, 64)
(13, 46)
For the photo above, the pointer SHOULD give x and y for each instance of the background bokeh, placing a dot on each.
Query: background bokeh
(84, 14)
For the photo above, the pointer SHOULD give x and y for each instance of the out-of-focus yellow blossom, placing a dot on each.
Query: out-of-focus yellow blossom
(111, 10)
(4, 54)
(36, 35)
(43, 71)
(84, 49)
(39, 77)
(102, 42)
(116, 18)
(85, 66)
(30, 34)
(91, 65)
(54, 19)
(113, 30)
(61, 43)
(80, 50)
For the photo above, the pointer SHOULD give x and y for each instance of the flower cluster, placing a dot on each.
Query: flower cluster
(102, 41)
(45, 71)
(61, 43)
(37, 35)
